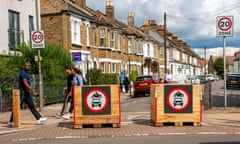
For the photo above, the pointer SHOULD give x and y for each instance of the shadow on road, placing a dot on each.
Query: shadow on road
(220, 143)
(141, 121)
(233, 100)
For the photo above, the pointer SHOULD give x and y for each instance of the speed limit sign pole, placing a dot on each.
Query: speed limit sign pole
(38, 39)
(224, 29)
(38, 43)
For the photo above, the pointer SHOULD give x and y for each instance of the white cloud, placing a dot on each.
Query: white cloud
(229, 51)
(192, 20)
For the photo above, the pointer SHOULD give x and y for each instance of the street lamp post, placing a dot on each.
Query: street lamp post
(87, 70)
(165, 43)
(129, 73)
(39, 61)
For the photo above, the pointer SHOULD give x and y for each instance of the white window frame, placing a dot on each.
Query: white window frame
(87, 32)
(119, 42)
(114, 67)
(104, 67)
(76, 30)
(94, 36)
(137, 46)
(102, 37)
(129, 45)
(112, 39)
(109, 67)
(148, 50)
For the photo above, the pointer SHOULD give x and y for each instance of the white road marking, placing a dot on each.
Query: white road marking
(213, 133)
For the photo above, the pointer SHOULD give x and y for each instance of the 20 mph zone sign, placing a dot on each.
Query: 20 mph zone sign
(37, 39)
(225, 26)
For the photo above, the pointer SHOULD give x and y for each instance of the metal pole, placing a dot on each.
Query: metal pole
(205, 59)
(87, 72)
(39, 61)
(165, 43)
(224, 66)
(129, 73)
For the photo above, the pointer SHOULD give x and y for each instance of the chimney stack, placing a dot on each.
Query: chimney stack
(130, 19)
(110, 10)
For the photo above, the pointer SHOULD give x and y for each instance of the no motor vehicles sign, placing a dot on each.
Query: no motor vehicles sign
(225, 26)
(37, 39)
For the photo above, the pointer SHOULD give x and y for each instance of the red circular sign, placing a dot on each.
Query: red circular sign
(224, 23)
(96, 100)
(178, 99)
(37, 37)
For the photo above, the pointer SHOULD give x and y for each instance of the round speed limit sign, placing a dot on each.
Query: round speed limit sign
(37, 39)
(225, 26)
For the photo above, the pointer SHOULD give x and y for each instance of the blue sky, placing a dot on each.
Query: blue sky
(192, 20)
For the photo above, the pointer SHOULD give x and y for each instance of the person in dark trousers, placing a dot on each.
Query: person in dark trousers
(121, 78)
(126, 83)
(76, 81)
(25, 95)
(68, 92)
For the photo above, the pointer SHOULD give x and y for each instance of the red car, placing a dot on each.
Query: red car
(142, 85)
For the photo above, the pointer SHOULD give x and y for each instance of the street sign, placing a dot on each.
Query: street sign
(224, 26)
(37, 38)
(178, 99)
(96, 100)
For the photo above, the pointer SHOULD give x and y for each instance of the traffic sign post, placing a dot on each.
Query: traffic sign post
(224, 29)
(37, 39)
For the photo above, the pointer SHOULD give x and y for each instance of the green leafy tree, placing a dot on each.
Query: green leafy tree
(134, 75)
(218, 66)
(54, 58)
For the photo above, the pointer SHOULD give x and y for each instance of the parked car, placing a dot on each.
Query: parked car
(142, 85)
(193, 79)
(233, 81)
(210, 77)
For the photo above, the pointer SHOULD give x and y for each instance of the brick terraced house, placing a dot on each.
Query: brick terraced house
(98, 40)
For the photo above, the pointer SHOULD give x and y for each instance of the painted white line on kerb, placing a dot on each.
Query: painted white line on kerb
(172, 133)
(213, 133)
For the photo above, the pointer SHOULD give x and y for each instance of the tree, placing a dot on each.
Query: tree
(218, 66)
(54, 58)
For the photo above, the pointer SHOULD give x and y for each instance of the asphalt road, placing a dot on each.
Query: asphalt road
(157, 139)
(233, 95)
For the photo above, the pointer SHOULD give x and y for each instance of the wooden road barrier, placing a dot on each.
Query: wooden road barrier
(16, 108)
(97, 105)
(176, 104)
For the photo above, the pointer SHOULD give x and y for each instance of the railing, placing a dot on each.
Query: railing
(52, 94)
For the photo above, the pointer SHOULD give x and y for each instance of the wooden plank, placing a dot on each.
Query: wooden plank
(16, 108)
(177, 124)
(114, 125)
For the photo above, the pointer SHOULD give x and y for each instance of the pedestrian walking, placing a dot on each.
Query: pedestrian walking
(126, 83)
(67, 93)
(76, 81)
(168, 76)
(121, 78)
(25, 95)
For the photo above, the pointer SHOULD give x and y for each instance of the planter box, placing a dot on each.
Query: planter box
(176, 104)
(97, 105)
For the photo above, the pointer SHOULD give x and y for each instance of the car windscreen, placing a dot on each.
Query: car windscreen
(144, 78)
(233, 77)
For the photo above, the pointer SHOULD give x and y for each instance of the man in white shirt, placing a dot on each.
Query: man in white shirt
(168, 76)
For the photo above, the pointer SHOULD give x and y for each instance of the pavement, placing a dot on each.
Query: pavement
(217, 116)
